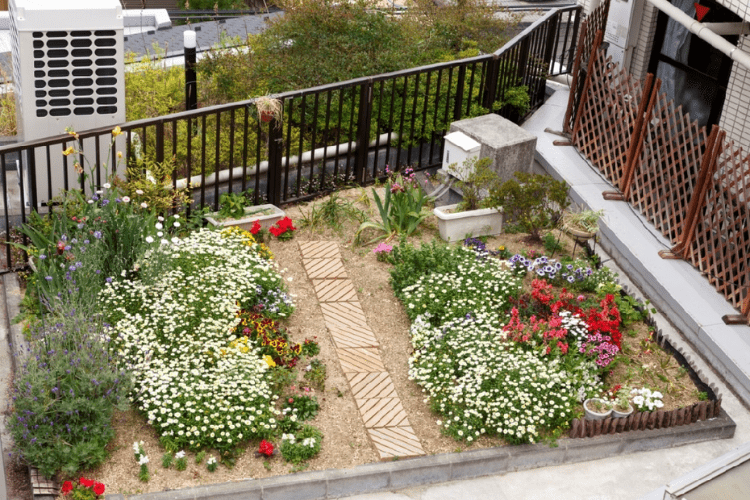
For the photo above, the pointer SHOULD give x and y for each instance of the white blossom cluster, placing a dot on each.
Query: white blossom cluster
(482, 384)
(477, 286)
(175, 334)
(645, 399)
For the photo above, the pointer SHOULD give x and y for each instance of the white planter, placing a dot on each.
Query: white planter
(457, 226)
(267, 215)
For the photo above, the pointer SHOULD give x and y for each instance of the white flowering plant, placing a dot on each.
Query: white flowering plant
(644, 399)
(196, 384)
(302, 445)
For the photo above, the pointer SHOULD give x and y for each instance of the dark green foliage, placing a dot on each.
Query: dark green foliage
(534, 201)
(305, 407)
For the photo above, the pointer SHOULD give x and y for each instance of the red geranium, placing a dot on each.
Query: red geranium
(88, 483)
(67, 487)
(99, 488)
(265, 448)
(283, 229)
(256, 228)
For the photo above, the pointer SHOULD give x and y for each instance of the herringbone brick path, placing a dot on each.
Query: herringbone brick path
(359, 352)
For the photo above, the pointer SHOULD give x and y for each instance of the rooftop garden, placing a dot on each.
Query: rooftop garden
(166, 354)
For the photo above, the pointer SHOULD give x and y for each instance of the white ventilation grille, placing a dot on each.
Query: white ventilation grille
(75, 72)
(69, 68)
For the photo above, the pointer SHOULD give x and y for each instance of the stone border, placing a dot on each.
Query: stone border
(393, 475)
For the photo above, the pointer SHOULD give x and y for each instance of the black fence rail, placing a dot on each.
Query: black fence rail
(327, 136)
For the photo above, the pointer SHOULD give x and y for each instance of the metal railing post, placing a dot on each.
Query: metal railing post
(273, 184)
(363, 132)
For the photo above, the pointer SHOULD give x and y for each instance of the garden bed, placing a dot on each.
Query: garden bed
(345, 442)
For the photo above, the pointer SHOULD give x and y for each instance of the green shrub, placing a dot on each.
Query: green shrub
(534, 201)
(64, 396)
(304, 407)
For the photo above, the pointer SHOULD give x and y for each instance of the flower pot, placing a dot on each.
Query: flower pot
(266, 116)
(622, 414)
(578, 235)
(592, 414)
(457, 226)
(267, 215)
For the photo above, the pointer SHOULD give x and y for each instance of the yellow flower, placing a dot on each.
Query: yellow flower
(269, 361)
(69, 151)
(119, 154)
(72, 132)
(116, 131)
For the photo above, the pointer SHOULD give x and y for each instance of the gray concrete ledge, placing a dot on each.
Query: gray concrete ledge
(674, 287)
(385, 476)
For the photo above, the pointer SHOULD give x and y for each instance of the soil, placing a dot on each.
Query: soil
(345, 442)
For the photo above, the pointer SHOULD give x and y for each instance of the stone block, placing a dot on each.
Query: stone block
(510, 147)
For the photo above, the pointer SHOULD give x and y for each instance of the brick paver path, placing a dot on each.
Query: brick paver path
(359, 352)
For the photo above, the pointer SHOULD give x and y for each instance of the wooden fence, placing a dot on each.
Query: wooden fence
(692, 186)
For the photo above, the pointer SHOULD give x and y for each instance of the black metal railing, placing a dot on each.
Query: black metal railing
(327, 136)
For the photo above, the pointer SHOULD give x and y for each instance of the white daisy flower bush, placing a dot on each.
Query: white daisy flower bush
(493, 358)
(199, 382)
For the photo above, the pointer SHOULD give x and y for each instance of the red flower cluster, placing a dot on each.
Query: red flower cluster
(549, 332)
(283, 229)
(606, 321)
(96, 487)
(265, 448)
(256, 228)
(543, 293)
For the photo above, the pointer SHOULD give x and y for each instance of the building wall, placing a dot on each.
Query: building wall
(739, 7)
(735, 117)
(644, 41)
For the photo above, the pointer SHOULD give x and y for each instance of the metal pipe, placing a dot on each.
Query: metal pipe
(703, 32)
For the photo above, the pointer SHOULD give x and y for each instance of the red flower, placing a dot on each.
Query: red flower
(88, 483)
(265, 448)
(67, 487)
(60, 247)
(256, 227)
(276, 231)
(99, 488)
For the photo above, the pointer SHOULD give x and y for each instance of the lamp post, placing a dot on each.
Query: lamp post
(191, 86)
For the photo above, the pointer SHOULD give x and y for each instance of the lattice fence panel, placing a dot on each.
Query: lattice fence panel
(595, 21)
(667, 168)
(721, 244)
(609, 114)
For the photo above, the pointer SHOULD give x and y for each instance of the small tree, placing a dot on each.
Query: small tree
(534, 201)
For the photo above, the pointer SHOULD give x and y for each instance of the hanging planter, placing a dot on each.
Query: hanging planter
(269, 109)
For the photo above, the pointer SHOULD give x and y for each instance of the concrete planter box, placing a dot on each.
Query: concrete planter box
(267, 215)
(456, 226)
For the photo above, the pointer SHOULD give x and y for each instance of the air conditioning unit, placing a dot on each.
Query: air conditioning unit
(68, 69)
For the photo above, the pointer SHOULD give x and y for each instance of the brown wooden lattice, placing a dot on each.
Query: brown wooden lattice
(720, 246)
(596, 21)
(665, 172)
(604, 126)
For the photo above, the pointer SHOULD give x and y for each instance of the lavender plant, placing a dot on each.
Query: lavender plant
(64, 395)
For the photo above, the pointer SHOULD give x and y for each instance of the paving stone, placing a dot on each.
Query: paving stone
(360, 359)
(355, 336)
(382, 412)
(371, 385)
(42, 485)
(324, 268)
(391, 442)
(319, 250)
(335, 290)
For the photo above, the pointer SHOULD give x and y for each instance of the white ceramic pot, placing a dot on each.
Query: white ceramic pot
(457, 226)
(593, 414)
(267, 215)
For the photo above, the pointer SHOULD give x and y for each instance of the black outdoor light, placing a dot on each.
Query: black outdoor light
(191, 86)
